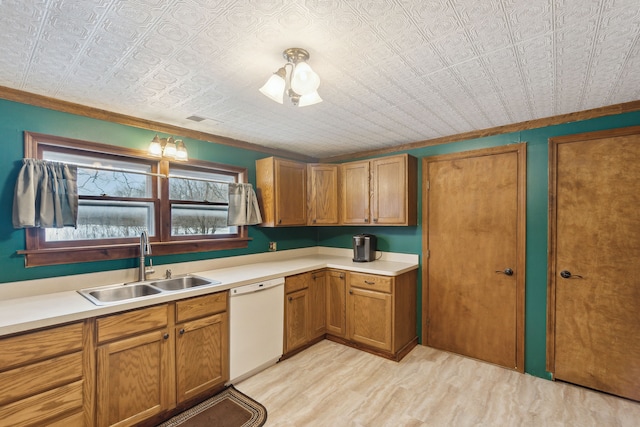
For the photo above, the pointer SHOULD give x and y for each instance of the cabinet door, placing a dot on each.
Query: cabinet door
(201, 355)
(291, 193)
(355, 194)
(317, 303)
(336, 305)
(323, 194)
(370, 318)
(389, 190)
(134, 378)
(296, 319)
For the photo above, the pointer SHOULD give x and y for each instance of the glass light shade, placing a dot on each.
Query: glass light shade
(155, 148)
(274, 88)
(309, 99)
(181, 151)
(170, 148)
(304, 80)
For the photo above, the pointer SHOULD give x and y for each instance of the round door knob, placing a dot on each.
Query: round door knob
(506, 271)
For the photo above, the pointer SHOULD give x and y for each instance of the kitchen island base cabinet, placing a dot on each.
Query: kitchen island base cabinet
(46, 377)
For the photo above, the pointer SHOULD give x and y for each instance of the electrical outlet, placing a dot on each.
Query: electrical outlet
(273, 246)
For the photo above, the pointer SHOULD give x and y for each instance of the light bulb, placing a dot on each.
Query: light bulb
(309, 99)
(169, 148)
(304, 80)
(274, 87)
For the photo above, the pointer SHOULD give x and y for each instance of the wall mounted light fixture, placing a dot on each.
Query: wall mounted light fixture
(300, 83)
(169, 148)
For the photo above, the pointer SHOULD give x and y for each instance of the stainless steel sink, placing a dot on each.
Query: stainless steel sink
(106, 295)
(112, 294)
(180, 283)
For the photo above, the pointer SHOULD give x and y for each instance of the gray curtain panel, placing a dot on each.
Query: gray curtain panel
(243, 205)
(46, 195)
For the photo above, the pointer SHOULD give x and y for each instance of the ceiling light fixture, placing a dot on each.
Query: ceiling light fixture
(300, 84)
(169, 148)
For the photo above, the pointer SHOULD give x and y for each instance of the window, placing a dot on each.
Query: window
(122, 192)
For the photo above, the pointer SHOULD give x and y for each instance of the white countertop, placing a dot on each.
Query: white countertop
(47, 309)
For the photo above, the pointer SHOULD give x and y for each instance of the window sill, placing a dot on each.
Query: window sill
(72, 255)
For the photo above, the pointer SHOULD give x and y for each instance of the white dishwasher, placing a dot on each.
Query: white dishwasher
(256, 324)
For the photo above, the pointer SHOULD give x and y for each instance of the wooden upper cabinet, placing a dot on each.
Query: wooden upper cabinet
(322, 186)
(356, 197)
(381, 191)
(393, 190)
(282, 191)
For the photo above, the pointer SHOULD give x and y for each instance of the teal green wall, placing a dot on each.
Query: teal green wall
(16, 118)
(408, 239)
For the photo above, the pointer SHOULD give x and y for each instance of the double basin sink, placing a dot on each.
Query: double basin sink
(105, 295)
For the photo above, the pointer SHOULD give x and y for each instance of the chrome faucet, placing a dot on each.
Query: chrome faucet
(145, 249)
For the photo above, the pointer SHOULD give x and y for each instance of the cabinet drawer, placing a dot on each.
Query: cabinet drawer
(372, 282)
(193, 308)
(34, 346)
(133, 322)
(38, 377)
(36, 410)
(297, 282)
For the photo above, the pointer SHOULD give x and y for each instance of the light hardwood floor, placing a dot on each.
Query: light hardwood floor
(333, 385)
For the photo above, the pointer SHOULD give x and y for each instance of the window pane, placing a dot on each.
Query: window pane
(107, 220)
(197, 189)
(93, 182)
(189, 220)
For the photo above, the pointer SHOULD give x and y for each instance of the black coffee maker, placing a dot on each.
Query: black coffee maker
(364, 247)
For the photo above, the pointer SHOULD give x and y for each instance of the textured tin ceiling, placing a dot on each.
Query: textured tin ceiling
(392, 72)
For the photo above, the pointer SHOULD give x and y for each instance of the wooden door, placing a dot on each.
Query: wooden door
(370, 318)
(322, 194)
(594, 265)
(296, 319)
(355, 195)
(291, 193)
(133, 378)
(201, 355)
(473, 245)
(336, 304)
(317, 304)
(389, 190)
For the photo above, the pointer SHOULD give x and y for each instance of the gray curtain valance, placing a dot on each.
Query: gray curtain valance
(243, 205)
(46, 195)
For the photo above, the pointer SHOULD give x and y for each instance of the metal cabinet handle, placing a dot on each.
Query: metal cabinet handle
(290, 299)
(369, 283)
(342, 275)
(165, 336)
(565, 274)
(350, 292)
(181, 331)
(506, 271)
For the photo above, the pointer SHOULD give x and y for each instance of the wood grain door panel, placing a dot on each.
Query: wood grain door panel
(474, 218)
(595, 236)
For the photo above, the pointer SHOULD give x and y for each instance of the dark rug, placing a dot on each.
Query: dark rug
(229, 408)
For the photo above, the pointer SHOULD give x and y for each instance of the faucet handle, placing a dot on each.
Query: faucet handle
(167, 274)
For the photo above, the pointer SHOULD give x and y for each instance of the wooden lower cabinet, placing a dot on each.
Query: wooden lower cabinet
(46, 377)
(336, 319)
(371, 312)
(151, 359)
(304, 312)
(202, 349)
(381, 313)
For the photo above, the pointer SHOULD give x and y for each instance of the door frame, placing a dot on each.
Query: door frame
(552, 230)
(520, 269)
